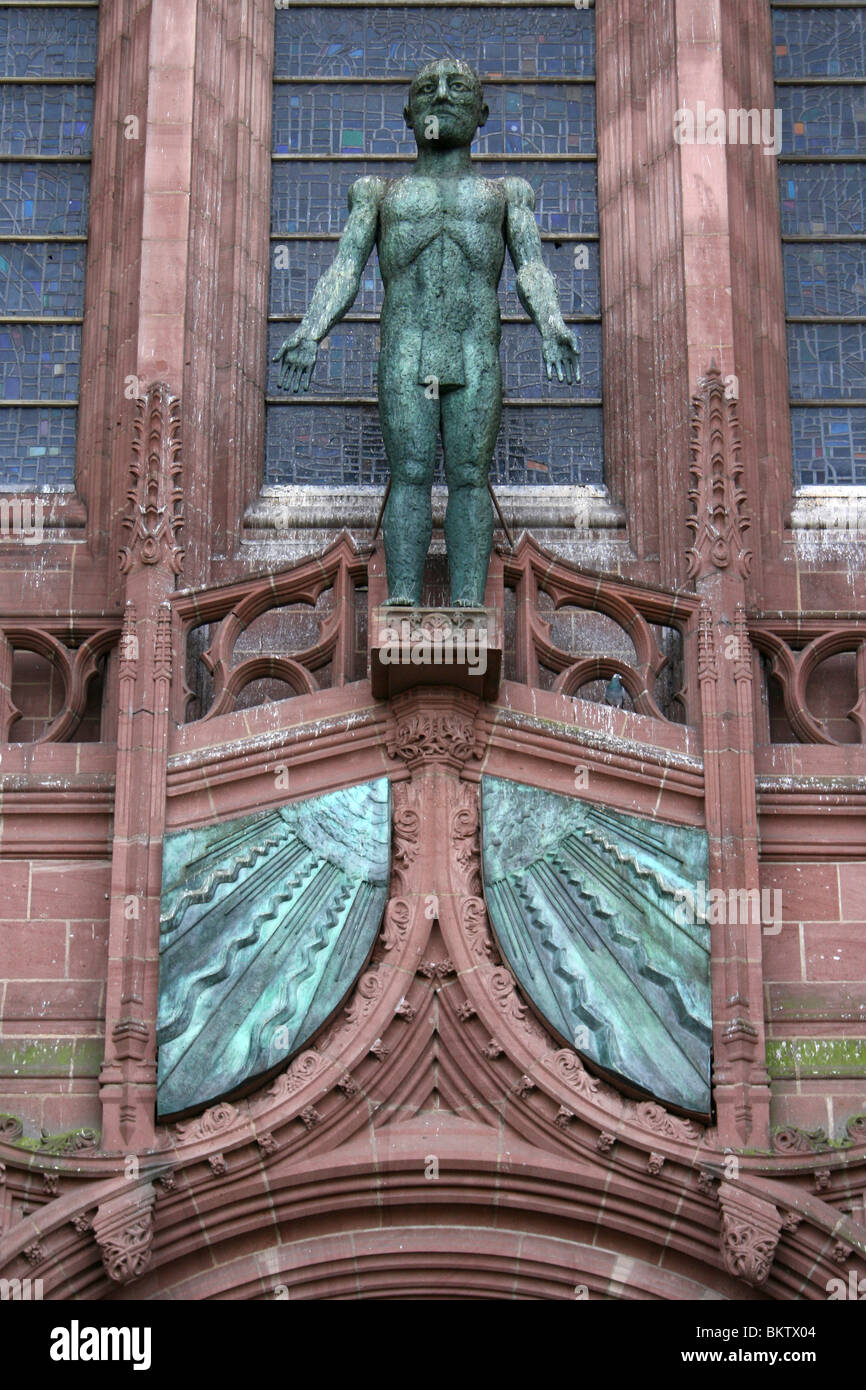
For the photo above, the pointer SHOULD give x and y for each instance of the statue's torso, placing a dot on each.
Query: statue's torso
(441, 248)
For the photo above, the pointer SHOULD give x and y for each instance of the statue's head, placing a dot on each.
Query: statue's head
(446, 104)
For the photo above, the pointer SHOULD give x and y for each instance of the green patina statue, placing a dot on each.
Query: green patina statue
(440, 232)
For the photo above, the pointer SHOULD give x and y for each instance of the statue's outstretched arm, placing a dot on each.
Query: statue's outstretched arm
(535, 284)
(336, 289)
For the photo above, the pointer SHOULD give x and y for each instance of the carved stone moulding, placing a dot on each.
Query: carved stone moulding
(795, 647)
(430, 725)
(230, 609)
(457, 647)
(751, 1228)
(123, 1229)
(635, 609)
(76, 667)
(719, 519)
(154, 511)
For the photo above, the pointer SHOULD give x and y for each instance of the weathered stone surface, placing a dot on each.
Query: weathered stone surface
(435, 646)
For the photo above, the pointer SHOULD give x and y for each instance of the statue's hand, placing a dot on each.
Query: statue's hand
(560, 352)
(298, 358)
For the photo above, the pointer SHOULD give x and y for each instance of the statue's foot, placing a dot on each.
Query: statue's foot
(465, 603)
(399, 601)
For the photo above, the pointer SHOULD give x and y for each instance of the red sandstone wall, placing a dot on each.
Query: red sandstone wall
(815, 989)
(53, 960)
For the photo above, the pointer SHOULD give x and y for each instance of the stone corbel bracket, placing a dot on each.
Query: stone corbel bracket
(750, 1233)
(123, 1230)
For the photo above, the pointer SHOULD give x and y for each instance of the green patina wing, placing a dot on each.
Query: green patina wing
(585, 903)
(266, 922)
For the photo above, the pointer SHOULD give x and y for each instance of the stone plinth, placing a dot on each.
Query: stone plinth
(459, 647)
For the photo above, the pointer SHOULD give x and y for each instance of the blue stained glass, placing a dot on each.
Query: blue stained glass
(325, 446)
(829, 446)
(346, 364)
(554, 446)
(827, 359)
(297, 265)
(524, 371)
(369, 120)
(579, 288)
(822, 120)
(45, 120)
(37, 448)
(44, 199)
(336, 446)
(820, 43)
(45, 277)
(39, 361)
(823, 199)
(825, 279)
(47, 43)
(331, 41)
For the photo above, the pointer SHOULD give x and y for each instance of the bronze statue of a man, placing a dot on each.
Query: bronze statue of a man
(441, 232)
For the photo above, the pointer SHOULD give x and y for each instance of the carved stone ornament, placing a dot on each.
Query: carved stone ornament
(154, 512)
(707, 1182)
(750, 1233)
(215, 1120)
(708, 669)
(11, 1128)
(719, 520)
(123, 1227)
(790, 1140)
(443, 731)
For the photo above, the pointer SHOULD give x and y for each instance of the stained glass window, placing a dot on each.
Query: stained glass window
(340, 81)
(47, 68)
(820, 66)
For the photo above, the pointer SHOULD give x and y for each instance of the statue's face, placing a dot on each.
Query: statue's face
(446, 105)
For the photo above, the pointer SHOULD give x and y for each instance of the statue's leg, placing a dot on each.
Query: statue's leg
(410, 423)
(470, 424)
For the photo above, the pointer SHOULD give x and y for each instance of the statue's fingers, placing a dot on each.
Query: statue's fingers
(549, 365)
(569, 371)
(306, 378)
(559, 371)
